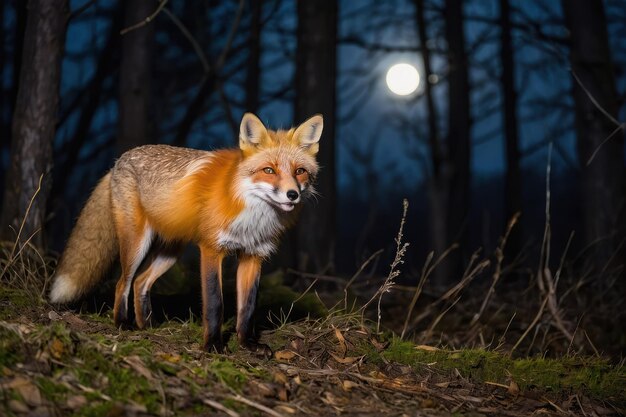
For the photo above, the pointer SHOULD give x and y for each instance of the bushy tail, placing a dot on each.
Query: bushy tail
(91, 248)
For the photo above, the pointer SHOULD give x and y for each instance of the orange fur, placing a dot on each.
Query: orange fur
(226, 201)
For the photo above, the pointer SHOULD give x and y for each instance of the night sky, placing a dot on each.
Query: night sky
(388, 128)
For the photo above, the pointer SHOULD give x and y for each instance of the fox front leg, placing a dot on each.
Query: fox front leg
(212, 304)
(248, 274)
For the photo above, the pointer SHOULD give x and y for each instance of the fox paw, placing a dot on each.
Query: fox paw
(259, 349)
(214, 347)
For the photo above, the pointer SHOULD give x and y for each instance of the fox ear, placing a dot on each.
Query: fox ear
(251, 131)
(308, 133)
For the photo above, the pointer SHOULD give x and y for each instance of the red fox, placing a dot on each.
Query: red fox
(156, 198)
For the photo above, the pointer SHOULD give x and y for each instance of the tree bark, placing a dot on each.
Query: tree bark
(600, 148)
(34, 121)
(513, 185)
(458, 141)
(9, 102)
(135, 127)
(436, 196)
(253, 72)
(316, 61)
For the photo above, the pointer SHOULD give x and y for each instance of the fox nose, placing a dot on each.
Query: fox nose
(292, 195)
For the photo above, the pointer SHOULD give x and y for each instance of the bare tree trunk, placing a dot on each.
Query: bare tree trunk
(34, 120)
(253, 73)
(458, 143)
(18, 35)
(89, 105)
(135, 127)
(437, 196)
(513, 185)
(316, 61)
(600, 148)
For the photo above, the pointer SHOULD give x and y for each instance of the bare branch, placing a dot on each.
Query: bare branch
(146, 20)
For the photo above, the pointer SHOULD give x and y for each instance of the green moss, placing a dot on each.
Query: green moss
(275, 296)
(99, 409)
(111, 377)
(227, 373)
(52, 391)
(238, 407)
(14, 300)
(98, 318)
(141, 347)
(11, 347)
(591, 375)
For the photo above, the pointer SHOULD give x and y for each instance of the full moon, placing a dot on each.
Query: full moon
(402, 79)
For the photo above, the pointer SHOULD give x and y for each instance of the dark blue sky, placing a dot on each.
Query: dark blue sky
(388, 129)
(366, 106)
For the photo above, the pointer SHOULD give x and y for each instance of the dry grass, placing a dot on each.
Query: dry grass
(22, 265)
(351, 358)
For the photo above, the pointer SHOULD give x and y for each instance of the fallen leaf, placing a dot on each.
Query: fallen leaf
(348, 385)
(378, 345)
(285, 409)
(377, 375)
(73, 319)
(265, 389)
(283, 394)
(426, 348)
(30, 393)
(333, 400)
(280, 377)
(54, 316)
(343, 348)
(427, 403)
(138, 366)
(347, 360)
(169, 357)
(513, 388)
(135, 408)
(284, 355)
(296, 344)
(57, 348)
(18, 406)
(76, 401)
(298, 334)
(177, 391)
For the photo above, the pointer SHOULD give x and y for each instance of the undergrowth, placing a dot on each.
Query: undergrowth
(100, 372)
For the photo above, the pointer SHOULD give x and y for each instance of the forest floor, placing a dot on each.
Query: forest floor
(59, 363)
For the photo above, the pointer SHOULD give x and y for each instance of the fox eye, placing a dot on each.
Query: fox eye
(269, 170)
(300, 171)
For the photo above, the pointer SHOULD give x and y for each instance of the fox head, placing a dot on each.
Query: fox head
(279, 167)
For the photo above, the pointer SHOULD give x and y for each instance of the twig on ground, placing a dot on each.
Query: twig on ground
(220, 407)
(256, 405)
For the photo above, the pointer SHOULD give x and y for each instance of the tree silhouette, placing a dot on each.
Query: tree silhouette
(34, 122)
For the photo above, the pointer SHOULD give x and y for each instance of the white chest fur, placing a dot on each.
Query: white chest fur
(255, 230)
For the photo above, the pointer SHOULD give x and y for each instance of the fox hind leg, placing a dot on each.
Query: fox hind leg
(159, 262)
(135, 237)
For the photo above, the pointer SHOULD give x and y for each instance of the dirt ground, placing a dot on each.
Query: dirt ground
(58, 363)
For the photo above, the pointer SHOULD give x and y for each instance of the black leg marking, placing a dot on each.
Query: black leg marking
(213, 312)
